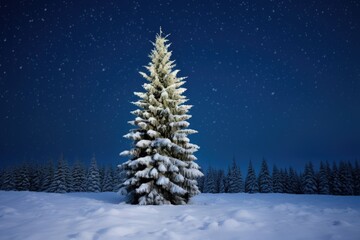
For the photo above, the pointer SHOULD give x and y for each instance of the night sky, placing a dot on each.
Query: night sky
(273, 79)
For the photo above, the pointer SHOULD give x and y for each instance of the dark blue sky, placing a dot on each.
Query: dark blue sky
(273, 79)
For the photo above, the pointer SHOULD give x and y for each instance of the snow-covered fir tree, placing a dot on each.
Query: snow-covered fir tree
(36, 176)
(323, 183)
(356, 178)
(309, 183)
(294, 182)
(9, 179)
(285, 180)
(48, 177)
(161, 168)
(301, 181)
(345, 177)
(335, 185)
(79, 177)
(276, 180)
(227, 179)
(234, 179)
(108, 181)
(328, 174)
(102, 171)
(265, 182)
(119, 177)
(93, 177)
(68, 177)
(2, 174)
(201, 182)
(221, 181)
(22, 178)
(251, 184)
(58, 184)
(210, 181)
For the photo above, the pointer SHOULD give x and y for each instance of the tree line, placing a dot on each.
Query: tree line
(337, 179)
(60, 178)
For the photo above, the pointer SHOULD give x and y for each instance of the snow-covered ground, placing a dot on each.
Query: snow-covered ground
(31, 215)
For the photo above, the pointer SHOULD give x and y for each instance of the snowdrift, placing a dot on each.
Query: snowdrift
(34, 215)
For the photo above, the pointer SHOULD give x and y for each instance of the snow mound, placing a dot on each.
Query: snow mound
(82, 216)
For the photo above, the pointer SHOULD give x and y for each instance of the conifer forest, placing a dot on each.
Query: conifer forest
(329, 178)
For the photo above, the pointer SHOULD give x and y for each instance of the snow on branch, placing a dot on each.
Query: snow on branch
(133, 135)
(144, 188)
(144, 75)
(143, 174)
(187, 131)
(161, 142)
(176, 189)
(140, 94)
(183, 124)
(161, 158)
(162, 180)
(141, 161)
(152, 133)
(143, 143)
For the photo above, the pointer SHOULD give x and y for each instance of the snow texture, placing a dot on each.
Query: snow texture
(34, 215)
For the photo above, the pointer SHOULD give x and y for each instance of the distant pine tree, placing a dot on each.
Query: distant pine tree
(79, 177)
(356, 178)
(93, 178)
(9, 180)
(345, 177)
(68, 177)
(294, 182)
(328, 174)
(276, 180)
(285, 180)
(36, 176)
(309, 183)
(221, 182)
(251, 184)
(210, 181)
(22, 178)
(301, 180)
(2, 174)
(335, 185)
(323, 179)
(59, 183)
(265, 182)
(2, 178)
(200, 182)
(108, 181)
(41, 177)
(227, 179)
(235, 182)
(119, 177)
(48, 177)
(102, 172)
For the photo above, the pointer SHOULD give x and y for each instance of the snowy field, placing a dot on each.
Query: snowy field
(32, 215)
